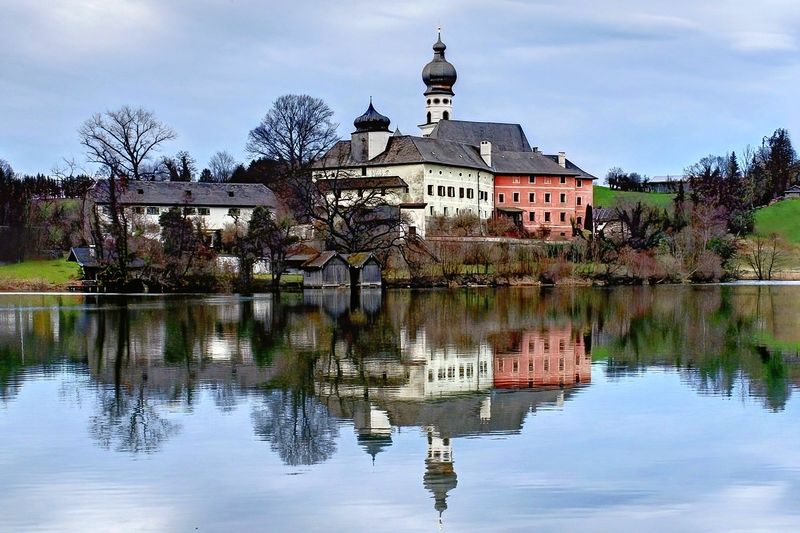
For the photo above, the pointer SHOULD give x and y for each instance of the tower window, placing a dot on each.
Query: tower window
(429, 101)
(446, 115)
(445, 101)
(435, 100)
(429, 117)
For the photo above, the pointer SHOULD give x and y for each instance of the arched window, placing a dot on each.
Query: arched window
(446, 115)
(429, 117)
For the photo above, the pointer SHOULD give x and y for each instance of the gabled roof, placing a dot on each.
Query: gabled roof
(136, 192)
(528, 163)
(793, 189)
(300, 253)
(359, 259)
(407, 149)
(572, 166)
(86, 257)
(504, 137)
(321, 260)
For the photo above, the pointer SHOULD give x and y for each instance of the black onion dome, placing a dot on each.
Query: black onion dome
(439, 75)
(371, 120)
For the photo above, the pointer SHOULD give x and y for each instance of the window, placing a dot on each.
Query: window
(531, 216)
(548, 181)
(204, 211)
(138, 210)
(561, 345)
(547, 197)
(230, 194)
(470, 193)
(532, 180)
(579, 183)
(563, 198)
(435, 100)
(547, 216)
(516, 197)
(451, 192)
(580, 222)
(140, 191)
(445, 100)
(461, 192)
(515, 366)
(547, 365)
(532, 197)
(152, 210)
(363, 171)
(430, 190)
(562, 216)
(440, 190)
(579, 200)
(445, 211)
(446, 115)
(563, 180)
(234, 212)
(432, 211)
(189, 211)
(515, 180)
(561, 363)
(501, 198)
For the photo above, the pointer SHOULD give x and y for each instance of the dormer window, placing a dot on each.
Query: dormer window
(230, 194)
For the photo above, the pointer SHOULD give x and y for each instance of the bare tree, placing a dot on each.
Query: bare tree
(764, 255)
(121, 140)
(295, 131)
(222, 164)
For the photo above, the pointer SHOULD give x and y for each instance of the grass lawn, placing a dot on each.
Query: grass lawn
(55, 271)
(782, 218)
(605, 197)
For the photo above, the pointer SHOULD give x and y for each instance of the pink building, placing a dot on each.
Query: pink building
(544, 194)
(553, 357)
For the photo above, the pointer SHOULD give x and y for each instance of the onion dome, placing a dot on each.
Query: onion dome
(371, 120)
(439, 75)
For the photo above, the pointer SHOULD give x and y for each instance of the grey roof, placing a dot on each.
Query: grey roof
(86, 257)
(367, 182)
(504, 137)
(572, 166)
(181, 193)
(406, 149)
(528, 163)
(793, 188)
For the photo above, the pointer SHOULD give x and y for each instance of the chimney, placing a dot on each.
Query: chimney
(486, 152)
(562, 159)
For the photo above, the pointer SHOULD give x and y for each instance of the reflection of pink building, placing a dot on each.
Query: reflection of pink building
(556, 356)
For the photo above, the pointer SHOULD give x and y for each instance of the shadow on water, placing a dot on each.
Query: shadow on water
(450, 363)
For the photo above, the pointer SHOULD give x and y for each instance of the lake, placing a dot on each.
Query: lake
(667, 408)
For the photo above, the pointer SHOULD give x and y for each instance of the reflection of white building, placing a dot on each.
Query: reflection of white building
(444, 370)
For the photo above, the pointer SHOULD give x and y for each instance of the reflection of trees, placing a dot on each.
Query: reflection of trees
(127, 420)
(298, 427)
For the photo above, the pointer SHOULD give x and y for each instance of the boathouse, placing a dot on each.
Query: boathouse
(328, 269)
(365, 269)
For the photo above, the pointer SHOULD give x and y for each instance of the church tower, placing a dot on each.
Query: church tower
(439, 76)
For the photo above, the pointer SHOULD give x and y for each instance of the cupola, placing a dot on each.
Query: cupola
(439, 76)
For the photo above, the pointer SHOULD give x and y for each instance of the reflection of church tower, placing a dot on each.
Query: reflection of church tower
(374, 430)
(439, 77)
(440, 476)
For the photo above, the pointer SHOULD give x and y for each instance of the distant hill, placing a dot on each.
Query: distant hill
(782, 218)
(605, 197)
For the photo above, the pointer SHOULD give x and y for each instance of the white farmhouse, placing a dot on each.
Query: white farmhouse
(217, 205)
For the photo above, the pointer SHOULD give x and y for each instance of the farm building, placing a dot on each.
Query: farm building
(365, 270)
(328, 269)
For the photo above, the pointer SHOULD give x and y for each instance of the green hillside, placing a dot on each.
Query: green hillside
(782, 218)
(55, 271)
(605, 197)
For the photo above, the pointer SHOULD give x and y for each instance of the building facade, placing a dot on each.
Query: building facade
(456, 167)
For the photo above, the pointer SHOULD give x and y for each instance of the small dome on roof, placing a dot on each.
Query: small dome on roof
(371, 120)
(439, 75)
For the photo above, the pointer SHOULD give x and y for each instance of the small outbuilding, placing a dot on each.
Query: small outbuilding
(365, 269)
(792, 192)
(328, 269)
(90, 264)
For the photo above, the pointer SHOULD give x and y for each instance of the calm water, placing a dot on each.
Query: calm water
(666, 409)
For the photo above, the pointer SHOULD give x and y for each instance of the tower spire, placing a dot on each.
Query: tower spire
(439, 76)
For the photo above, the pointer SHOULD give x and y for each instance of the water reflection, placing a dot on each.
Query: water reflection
(446, 364)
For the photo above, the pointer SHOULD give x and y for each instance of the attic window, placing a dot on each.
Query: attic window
(140, 191)
(230, 194)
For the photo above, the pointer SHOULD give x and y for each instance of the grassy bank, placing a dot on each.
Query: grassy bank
(37, 274)
(782, 218)
(605, 197)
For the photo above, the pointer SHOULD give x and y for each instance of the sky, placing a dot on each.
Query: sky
(648, 85)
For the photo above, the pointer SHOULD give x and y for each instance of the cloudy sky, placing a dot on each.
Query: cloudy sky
(648, 85)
